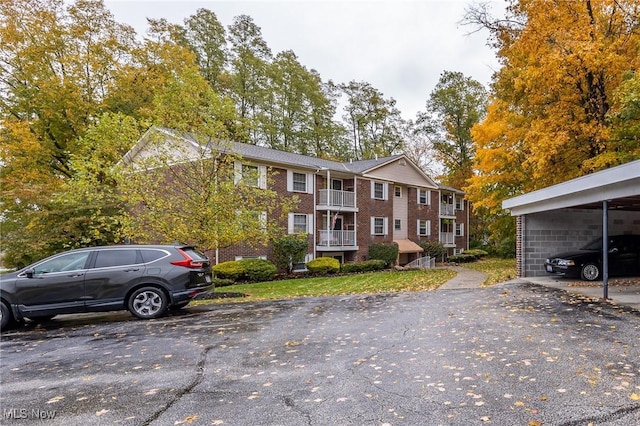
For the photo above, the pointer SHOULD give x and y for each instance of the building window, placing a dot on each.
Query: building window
(378, 226)
(299, 223)
(459, 229)
(424, 228)
(459, 203)
(378, 190)
(423, 196)
(398, 192)
(397, 224)
(299, 182)
(251, 175)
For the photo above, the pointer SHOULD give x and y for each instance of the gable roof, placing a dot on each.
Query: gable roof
(269, 155)
(621, 184)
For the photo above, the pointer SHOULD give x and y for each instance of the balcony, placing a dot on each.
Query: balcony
(337, 240)
(447, 209)
(334, 198)
(448, 238)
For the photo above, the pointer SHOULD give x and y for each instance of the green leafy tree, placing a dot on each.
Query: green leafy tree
(374, 123)
(188, 188)
(207, 38)
(455, 105)
(58, 62)
(289, 250)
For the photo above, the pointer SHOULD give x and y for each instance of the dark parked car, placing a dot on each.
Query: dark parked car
(145, 279)
(586, 263)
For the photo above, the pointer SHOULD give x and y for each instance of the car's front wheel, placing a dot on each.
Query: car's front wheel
(6, 318)
(590, 272)
(148, 302)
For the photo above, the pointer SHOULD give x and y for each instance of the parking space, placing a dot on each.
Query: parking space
(515, 353)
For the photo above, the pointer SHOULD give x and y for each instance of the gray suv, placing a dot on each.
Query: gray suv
(147, 280)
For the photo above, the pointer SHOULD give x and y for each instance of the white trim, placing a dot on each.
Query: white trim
(616, 182)
(385, 225)
(385, 190)
(427, 228)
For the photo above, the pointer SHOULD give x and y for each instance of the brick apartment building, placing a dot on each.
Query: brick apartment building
(344, 207)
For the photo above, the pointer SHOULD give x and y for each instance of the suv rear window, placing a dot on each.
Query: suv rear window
(117, 257)
(194, 254)
(150, 255)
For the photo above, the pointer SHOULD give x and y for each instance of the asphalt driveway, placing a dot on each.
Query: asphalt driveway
(513, 354)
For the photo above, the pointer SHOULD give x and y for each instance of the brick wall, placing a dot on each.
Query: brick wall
(368, 208)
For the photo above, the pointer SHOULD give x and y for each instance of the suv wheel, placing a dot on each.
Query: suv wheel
(148, 302)
(6, 319)
(590, 272)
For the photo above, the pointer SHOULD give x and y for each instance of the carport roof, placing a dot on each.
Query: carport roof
(620, 186)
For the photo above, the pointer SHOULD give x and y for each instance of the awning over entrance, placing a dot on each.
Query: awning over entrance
(408, 246)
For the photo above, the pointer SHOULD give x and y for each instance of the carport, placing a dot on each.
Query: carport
(567, 215)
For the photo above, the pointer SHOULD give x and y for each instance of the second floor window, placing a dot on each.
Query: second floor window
(300, 223)
(459, 203)
(424, 228)
(397, 224)
(378, 190)
(299, 182)
(423, 196)
(251, 175)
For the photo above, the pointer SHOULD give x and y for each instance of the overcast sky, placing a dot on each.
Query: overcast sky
(399, 47)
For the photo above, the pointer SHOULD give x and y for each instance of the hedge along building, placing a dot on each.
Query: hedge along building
(564, 217)
(343, 207)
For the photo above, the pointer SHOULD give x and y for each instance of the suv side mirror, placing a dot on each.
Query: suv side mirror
(29, 273)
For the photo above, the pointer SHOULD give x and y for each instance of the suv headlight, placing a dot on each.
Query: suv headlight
(564, 262)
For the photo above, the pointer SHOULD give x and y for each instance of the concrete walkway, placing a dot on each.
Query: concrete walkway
(465, 278)
(619, 294)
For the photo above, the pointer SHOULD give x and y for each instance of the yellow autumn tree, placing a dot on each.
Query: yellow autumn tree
(550, 116)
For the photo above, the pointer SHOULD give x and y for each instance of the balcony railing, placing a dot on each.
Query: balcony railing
(447, 238)
(447, 210)
(333, 197)
(337, 238)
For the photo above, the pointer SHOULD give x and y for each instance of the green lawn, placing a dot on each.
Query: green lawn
(497, 270)
(373, 282)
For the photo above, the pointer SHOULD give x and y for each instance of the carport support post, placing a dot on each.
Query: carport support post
(605, 249)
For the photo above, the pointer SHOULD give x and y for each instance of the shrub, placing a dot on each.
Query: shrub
(221, 282)
(384, 251)
(324, 265)
(252, 270)
(478, 253)
(289, 250)
(462, 258)
(433, 249)
(366, 266)
(231, 270)
(256, 270)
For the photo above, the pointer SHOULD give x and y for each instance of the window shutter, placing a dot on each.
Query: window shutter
(385, 191)
(290, 223)
(289, 180)
(309, 224)
(373, 190)
(428, 227)
(262, 179)
(310, 183)
(385, 223)
(238, 172)
(418, 225)
(373, 226)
